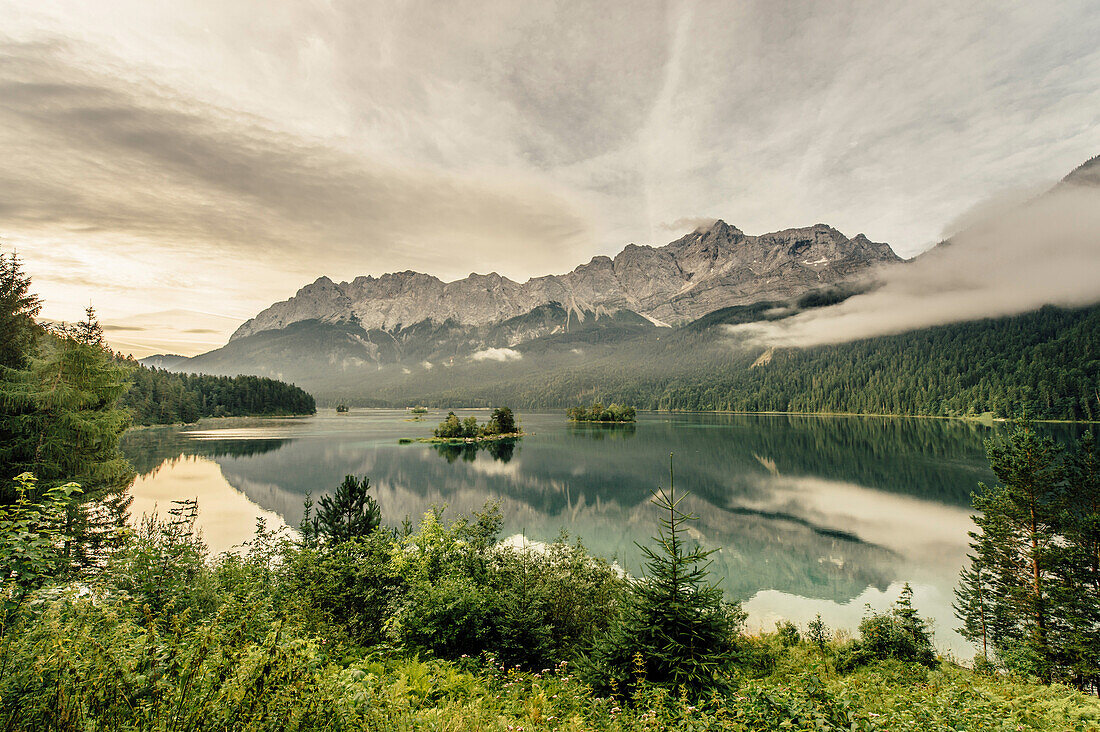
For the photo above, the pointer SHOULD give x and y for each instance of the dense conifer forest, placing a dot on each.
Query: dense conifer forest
(157, 396)
(1044, 363)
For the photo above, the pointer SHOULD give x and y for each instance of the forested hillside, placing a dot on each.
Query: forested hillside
(1045, 363)
(162, 397)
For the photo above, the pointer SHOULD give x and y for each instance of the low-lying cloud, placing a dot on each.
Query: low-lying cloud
(1045, 252)
(497, 354)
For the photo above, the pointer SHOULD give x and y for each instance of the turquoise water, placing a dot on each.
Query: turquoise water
(809, 514)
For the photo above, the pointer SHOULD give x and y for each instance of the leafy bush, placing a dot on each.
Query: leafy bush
(352, 583)
(162, 568)
(899, 633)
(30, 537)
(788, 633)
(468, 594)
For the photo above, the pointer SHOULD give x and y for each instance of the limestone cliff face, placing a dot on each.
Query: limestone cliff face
(710, 268)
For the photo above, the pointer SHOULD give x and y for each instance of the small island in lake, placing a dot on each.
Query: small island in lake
(418, 410)
(501, 426)
(614, 414)
(341, 408)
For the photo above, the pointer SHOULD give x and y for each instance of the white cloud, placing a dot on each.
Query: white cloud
(497, 354)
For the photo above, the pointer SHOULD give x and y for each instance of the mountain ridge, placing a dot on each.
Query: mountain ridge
(710, 268)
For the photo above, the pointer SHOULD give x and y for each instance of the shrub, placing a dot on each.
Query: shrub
(163, 565)
(352, 583)
(788, 633)
(817, 632)
(899, 633)
(30, 537)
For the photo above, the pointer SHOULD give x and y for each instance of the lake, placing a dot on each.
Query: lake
(809, 514)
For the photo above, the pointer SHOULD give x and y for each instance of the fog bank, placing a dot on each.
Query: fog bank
(1014, 261)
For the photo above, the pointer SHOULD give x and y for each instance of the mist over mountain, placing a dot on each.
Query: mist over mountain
(1014, 258)
(357, 332)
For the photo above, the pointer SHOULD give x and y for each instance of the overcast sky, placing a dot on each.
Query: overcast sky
(212, 156)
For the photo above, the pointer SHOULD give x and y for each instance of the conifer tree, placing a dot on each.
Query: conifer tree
(675, 628)
(1076, 592)
(18, 309)
(972, 604)
(1016, 554)
(348, 514)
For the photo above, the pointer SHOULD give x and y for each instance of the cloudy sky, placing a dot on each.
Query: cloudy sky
(182, 165)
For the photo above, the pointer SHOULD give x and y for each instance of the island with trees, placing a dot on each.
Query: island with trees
(500, 426)
(612, 414)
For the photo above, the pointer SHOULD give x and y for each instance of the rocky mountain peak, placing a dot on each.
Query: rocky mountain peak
(713, 267)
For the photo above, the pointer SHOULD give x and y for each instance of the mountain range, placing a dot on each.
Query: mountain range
(416, 320)
(710, 268)
(645, 326)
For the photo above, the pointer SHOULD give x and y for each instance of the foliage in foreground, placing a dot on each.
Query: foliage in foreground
(84, 663)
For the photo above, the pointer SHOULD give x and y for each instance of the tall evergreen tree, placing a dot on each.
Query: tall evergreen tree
(63, 425)
(1025, 593)
(972, 603)
(675, 628)
(18, 309)
(1077, 568)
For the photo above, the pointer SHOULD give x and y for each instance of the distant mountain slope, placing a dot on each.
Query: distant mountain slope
(651, 327)
(1045, 363)
(168, 361)
(713, 267)
(1086, 174)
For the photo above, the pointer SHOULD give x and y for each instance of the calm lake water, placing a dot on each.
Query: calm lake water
(810, 514)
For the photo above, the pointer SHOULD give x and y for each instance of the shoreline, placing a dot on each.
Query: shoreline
(974, 419)
(977, 419)
(216, 420)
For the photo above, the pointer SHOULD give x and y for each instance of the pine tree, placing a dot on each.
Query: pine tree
(18, 309)
(972, 598)
(18, 336)
(348, 514)
(64, 425)
(675, 628)
(1076, 592)
(1016, 553)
